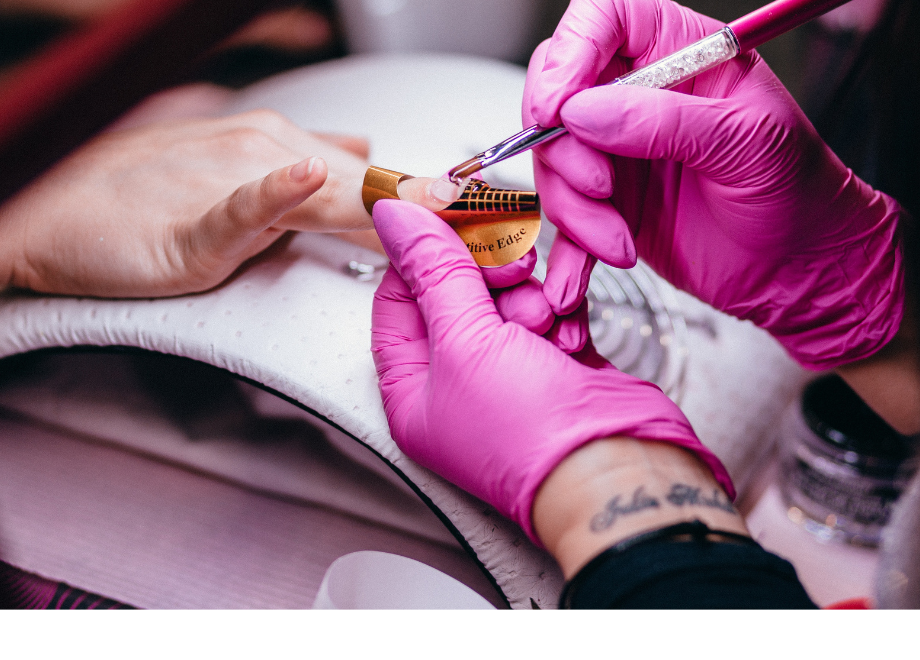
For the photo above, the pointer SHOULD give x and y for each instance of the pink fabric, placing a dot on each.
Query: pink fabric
(483, 402)
(26, 591)
(725, 185)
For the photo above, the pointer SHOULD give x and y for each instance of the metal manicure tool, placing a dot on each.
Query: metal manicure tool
(739, 36)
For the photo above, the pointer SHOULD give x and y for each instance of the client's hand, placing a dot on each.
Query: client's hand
(726, 186)
(486, 403)
(174, 208)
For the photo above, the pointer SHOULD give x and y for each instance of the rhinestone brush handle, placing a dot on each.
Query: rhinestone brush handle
(686, 63)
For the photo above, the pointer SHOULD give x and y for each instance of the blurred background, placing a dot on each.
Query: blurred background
(315, 30)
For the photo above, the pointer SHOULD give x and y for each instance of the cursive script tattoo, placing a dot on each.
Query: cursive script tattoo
(682, 494)
(606, 518)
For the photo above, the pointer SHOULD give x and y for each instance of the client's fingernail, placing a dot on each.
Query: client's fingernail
(302, 170)
(444, 191)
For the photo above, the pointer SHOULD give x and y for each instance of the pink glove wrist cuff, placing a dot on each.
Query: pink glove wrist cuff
(849, 307)
(825, 348)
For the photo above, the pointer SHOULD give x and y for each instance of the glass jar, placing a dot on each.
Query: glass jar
(841, 466)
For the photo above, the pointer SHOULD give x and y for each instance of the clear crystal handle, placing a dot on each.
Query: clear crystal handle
(684, 64)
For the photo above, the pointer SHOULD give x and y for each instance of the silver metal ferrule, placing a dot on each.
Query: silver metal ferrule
(516, 144)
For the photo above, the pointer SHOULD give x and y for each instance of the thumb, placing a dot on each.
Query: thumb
(438, 269)
(236, 226)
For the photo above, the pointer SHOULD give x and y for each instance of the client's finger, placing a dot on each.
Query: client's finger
(433, 194)
(236, 227)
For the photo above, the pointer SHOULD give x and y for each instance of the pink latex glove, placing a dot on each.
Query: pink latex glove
(519, 297)
(483, 402)
(726, 186)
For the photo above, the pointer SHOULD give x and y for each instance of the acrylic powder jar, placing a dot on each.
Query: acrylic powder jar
(841, 466)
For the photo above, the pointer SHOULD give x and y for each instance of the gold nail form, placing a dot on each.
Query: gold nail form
(499, 226)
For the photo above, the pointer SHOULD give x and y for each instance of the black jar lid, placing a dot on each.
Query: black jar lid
(839, 417)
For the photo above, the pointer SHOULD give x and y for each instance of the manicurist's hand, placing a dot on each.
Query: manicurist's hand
(172, 208)
(484, 402)
(721, 185)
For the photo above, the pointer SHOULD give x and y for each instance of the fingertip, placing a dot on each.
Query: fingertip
(510, 274)
(299, 172)
(293, 185)
(595, 225)
(525, 305)
(389, 218)
(568, 273)
(300, 181)
(259, 204)
(624, 255)
(433, 194)
(579, 112)
(570, 333)
(389, 212)
(444, 191)
(313, 167)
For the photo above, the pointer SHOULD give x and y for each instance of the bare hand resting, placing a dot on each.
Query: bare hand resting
(175, 208)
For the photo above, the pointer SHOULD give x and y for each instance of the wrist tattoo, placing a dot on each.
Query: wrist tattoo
(640, 501)
(680, 495)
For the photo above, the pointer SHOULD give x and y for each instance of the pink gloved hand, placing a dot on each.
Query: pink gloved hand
(483, 402)
(519, 297)
(726, 186)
